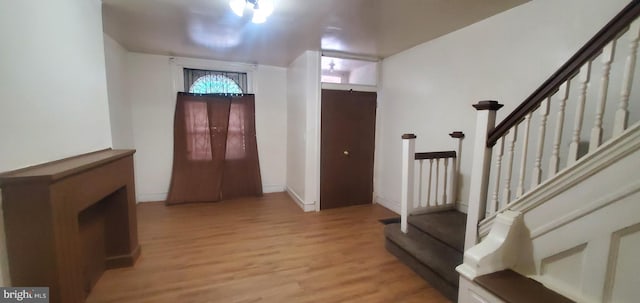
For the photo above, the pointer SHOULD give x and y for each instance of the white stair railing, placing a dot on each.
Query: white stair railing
(581, 141)
(521, 166)
(548, 197)
(439, 169)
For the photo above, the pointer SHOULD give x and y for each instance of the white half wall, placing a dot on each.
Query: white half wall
(429, 89)
(153, 83)
(271, 125)
(303, 130)
(296, 121)
(53, 86)
(119, 105)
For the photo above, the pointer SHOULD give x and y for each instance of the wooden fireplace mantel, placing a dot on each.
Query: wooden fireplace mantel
(69, 220)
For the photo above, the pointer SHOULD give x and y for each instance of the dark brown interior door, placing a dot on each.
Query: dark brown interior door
(347, 148)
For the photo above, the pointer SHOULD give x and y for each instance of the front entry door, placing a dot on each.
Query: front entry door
(347, 148)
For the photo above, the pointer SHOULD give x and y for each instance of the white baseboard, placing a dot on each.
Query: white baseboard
(462, 207)
(273, 188)
(391, 205)
(305, 207)
(153, 197)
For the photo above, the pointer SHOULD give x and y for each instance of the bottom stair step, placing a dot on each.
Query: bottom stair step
(428, 250)
(429, 257)
(448, 290)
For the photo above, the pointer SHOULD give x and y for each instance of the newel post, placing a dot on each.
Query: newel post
(456, 168)
(478, 186)
(406, 198)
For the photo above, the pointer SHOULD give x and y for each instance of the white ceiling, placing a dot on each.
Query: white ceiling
(208, 29)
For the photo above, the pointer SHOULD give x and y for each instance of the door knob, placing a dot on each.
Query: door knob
(346, 153)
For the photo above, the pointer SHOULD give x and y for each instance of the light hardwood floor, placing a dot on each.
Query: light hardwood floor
(262, 250)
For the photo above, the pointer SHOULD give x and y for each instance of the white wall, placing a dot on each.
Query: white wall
(303, 132)
(364, 75)
(119, 105)
(296, 122)
(53, 83)
(429, 89)
(53, 87)
(153, 82)
(271, 125)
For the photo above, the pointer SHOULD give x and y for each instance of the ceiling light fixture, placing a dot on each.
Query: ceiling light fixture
(261, 8)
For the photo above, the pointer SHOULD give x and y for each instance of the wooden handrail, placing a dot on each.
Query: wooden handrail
(436, 155)
(589, 51)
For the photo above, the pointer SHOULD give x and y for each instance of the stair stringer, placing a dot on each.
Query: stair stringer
(498, 251)
(585, 168)
(581, 229)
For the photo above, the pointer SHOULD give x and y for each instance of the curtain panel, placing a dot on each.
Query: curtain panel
(215, 149)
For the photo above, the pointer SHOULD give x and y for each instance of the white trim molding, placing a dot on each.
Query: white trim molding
(346, 86)
(273, 188)
(151, 197)
(388, 203)
(587, 166)
(586, 209)
(462, 207)
(348, 55)
(296, 198)
(498, 251)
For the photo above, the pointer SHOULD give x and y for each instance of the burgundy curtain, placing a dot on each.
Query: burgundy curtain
(215, 154)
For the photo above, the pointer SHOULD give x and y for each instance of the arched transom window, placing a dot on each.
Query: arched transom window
(211, 84)
(200, 81)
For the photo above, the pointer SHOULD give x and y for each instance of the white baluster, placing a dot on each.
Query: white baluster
(496, 180)
(420, 201)
(506, 192)
(585, 73)
(537, 166)
(429, 184)
(435, 196)
(622, 114)
(523, 160)
(406, 192)
(444, 187)
(596, 132)
(554, 162)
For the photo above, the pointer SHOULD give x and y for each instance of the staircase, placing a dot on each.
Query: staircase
(554, 195)
(433, 247)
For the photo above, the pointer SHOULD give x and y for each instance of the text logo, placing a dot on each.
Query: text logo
(24, 294)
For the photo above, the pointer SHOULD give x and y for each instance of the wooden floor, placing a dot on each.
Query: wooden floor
(262, 250)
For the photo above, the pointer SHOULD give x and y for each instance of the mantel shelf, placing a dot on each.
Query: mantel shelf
(56, 170)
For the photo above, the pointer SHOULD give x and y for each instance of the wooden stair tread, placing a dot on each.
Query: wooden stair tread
(441, 258)
(446, 226)
(425, 272)
(510, 286)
